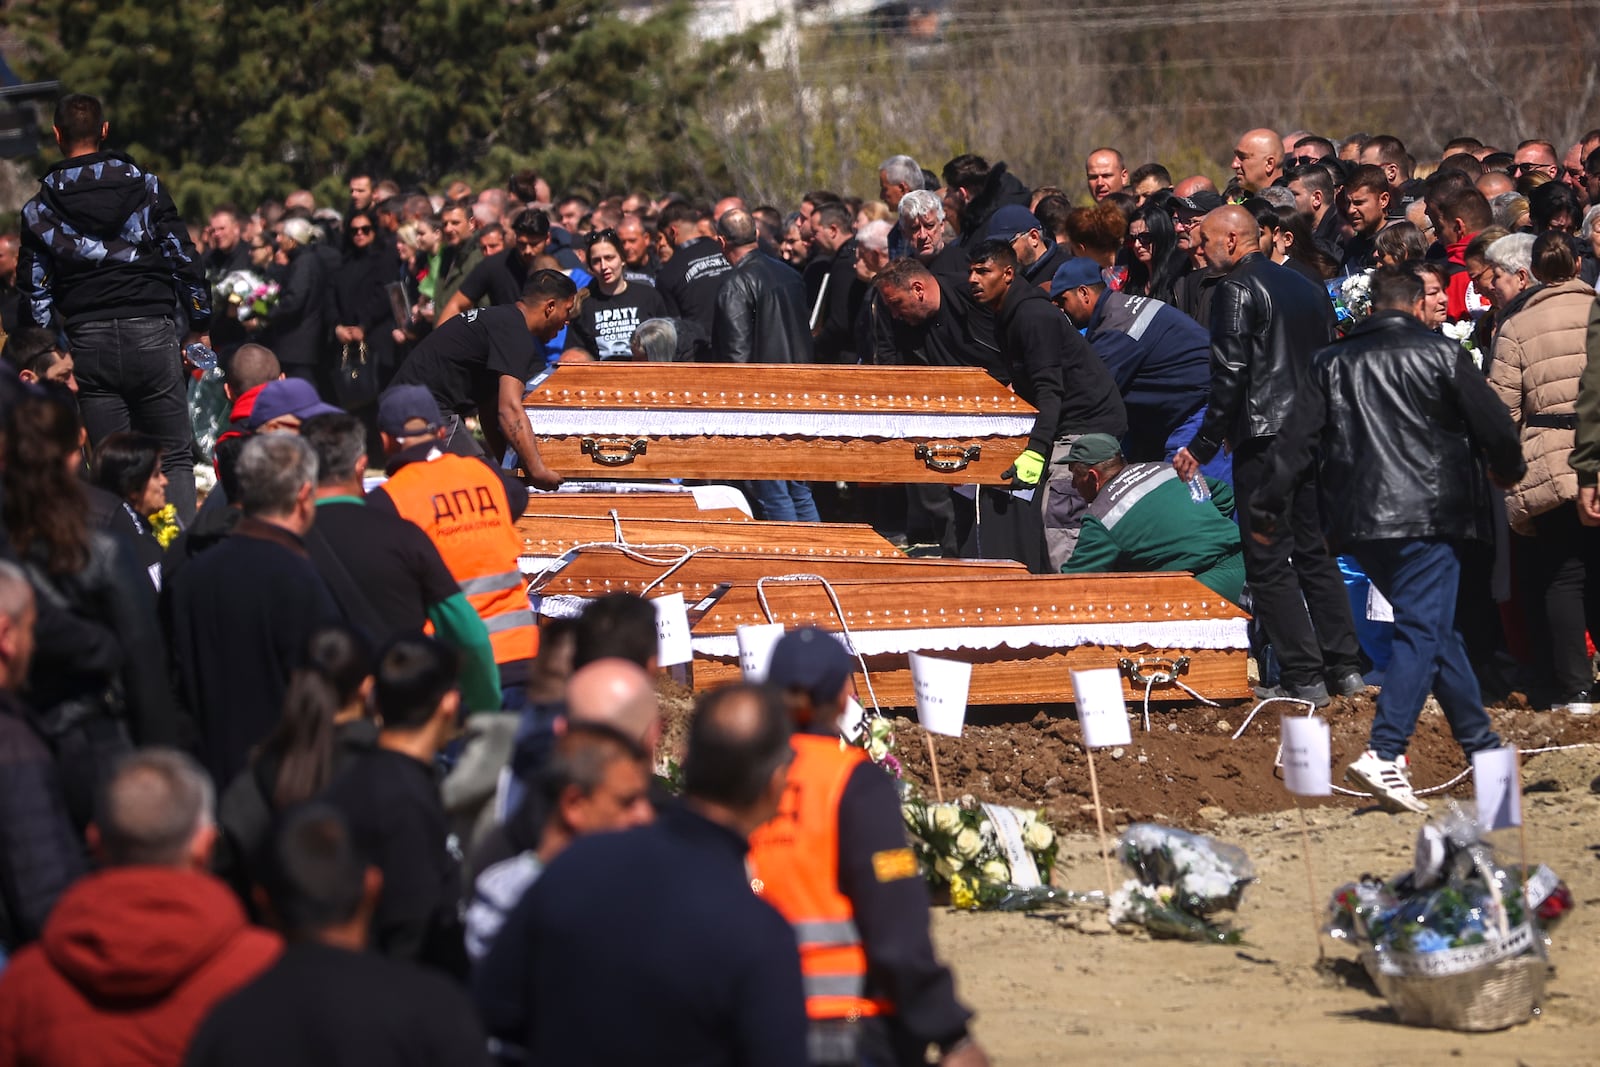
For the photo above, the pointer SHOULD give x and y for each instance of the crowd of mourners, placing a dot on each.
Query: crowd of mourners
(290, 772)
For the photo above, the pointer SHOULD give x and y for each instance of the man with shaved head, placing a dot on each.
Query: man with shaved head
(1258, 159)
(618, 693)
(1197, 183)
(1105, 172)
(1493, 183)
(1266, 322)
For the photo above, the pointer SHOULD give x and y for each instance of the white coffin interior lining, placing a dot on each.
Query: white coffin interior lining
(1183, 633)
(721, 422)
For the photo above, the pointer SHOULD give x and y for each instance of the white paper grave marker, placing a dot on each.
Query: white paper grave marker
(1307, 756)
(853, 720)
(755, 650)
(941, 687)
(1496, 777)
(1306, 747)
(672, 631)
(1103, 714)
(1102, 711)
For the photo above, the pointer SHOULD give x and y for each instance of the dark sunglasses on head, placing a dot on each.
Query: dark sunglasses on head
(607, 236)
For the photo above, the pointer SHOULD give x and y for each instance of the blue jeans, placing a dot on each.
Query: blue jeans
(1221, 465)
(1420, 577)
(784, 501)
(130, 377)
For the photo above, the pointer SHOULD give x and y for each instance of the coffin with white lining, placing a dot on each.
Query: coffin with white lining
(1023, 634)
(778, 421)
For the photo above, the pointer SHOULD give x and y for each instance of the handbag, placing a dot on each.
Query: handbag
(355, 383)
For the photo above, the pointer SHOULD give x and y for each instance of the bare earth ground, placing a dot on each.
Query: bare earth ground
(1059, 988)
(1062, 990)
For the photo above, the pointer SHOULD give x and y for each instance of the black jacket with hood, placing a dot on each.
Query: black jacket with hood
(102, 240)
(999, 189)
(1054, 369)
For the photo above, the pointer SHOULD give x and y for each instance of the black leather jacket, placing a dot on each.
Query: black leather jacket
(761, 314)
(1266, 321)
(1395, 418)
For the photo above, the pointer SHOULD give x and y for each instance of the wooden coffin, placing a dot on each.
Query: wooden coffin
(630, 505)
(1023, 634)
(594, 572)
(548, 536)
(766, 421)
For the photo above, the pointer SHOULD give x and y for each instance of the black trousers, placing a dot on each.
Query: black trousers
(1295, 588)
(1560, 571)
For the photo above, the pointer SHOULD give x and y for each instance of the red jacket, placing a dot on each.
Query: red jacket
(1465, 300)
(130, 962)
(239, 414)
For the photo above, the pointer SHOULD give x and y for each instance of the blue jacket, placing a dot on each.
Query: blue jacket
(102, 240)
(1159, 357)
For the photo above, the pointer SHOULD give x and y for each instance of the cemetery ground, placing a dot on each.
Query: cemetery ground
(1058, 987)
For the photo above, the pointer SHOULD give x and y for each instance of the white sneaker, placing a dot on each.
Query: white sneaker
(1386, 780)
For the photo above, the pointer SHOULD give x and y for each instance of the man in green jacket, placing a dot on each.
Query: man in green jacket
(1141, 517)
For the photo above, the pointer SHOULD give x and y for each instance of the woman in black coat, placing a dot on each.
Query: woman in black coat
(89, 716)
(363, 313)
(296, 327)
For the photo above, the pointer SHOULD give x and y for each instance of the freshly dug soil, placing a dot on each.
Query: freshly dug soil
(1060, 987)
(1188, 770)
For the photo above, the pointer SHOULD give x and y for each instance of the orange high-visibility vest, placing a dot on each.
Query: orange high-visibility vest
(794, 860)
(461, 505)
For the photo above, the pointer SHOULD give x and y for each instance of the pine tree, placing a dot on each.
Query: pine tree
(249, 98)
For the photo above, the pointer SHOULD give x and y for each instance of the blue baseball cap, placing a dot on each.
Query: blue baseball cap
(812, 660)
(1075, 272)
(401, 407)
(1014, 219)
(288, 396)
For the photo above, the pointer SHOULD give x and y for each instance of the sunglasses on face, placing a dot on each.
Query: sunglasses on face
(360, 229)
(1140, 238)
(1526, 168)
(1302, 161)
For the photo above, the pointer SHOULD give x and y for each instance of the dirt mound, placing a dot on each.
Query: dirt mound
(1188, 770)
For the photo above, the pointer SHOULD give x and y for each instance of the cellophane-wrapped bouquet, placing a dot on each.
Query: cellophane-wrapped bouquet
(959, 848)
(1180, 881)
(246, 294)
(1457, 904)
(1352, 299)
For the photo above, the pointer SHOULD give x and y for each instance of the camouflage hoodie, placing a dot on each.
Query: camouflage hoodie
(102, 240)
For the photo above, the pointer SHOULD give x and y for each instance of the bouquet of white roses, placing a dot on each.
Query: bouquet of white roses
(1461, 332)
(1180, 879)
(247, 295)
(877, 740)
(987, 855)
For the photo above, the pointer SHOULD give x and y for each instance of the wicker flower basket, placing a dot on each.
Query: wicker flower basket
(1491, 997)
(1490, 986)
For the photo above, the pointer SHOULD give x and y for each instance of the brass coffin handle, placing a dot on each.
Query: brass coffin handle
(613, 451)
(947, 459)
